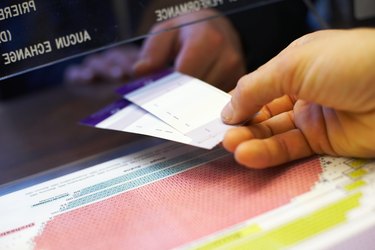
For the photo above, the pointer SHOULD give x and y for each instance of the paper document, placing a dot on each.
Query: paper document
(168, 195)
(168, 105)
(125, 116)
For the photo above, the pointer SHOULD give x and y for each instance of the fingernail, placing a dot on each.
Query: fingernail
(227, 113)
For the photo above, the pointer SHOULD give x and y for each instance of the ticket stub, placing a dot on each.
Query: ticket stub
(168, 105)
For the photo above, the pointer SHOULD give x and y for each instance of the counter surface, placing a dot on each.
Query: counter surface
(41, 131)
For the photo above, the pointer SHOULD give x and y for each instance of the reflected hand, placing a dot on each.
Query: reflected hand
(209, 50)
(112, 65)
(316, 96)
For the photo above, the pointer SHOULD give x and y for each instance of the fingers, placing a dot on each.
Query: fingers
(277, 106)
(313, 70)
(273, 151)
(210, 50)
(253, 91)
(285, 74)
(276, 125)
(269, 143)
(334, 96)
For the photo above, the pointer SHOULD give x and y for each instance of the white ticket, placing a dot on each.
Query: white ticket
(168, 105)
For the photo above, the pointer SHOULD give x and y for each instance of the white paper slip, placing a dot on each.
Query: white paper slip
(127, 117)
(190, 105)
(168, 105)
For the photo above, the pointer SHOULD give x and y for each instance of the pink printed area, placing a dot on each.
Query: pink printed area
(179, 209)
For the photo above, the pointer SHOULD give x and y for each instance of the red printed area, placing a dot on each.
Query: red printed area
(179, 209)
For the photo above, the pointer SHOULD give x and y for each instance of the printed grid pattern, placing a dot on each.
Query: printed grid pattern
(179, 209)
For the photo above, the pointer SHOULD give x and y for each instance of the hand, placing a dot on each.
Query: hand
(315, 97)
(209, 50)
(112, 65)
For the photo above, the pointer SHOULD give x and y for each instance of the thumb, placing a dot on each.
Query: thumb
(274, 79)
(155, 53)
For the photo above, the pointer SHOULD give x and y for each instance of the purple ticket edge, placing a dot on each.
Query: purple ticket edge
(105, 113)
(144, 81)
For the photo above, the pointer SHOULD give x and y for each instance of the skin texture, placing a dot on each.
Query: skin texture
(316, 97)
(210, 50)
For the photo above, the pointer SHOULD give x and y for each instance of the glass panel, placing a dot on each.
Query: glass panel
(36, 33)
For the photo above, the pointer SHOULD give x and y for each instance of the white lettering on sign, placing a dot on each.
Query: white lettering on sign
(5, 36)
(17, 9)
(42, 47)
(185, 8)
(72, 39)
(27, 52)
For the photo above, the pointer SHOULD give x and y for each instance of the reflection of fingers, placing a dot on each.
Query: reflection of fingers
(124, 58)
(186, 63)
(278, 149)
(79, 75)
(98, 65)
(156, 53)
(71, 74)
(192, 52)
(227, 71)
(104, 69)
(117, 72)
(120, 64)
(129, 53)
(277, 106)
(276, 125)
